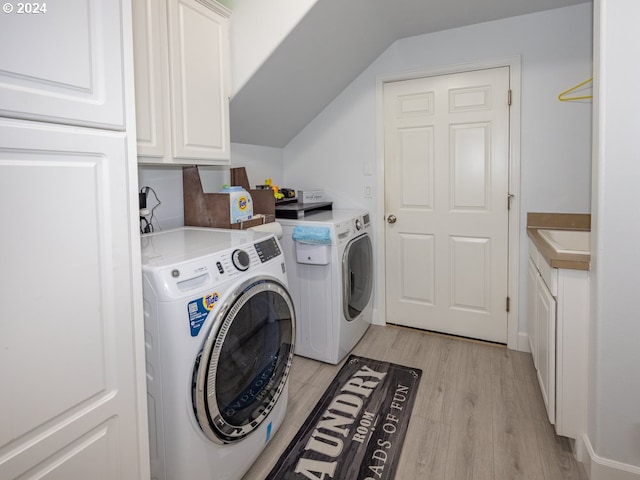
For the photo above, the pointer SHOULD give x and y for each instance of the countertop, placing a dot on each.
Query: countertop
(559, 221)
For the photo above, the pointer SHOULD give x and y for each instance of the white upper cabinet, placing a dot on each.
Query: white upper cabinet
(181, 50)
(151, 76)
(71, 72)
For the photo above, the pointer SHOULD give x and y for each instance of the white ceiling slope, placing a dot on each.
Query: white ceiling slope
(332, 44)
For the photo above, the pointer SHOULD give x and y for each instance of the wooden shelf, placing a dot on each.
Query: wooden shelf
(212, 209)
(299, 210)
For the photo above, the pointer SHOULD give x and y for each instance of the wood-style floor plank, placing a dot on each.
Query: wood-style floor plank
(515, 450)
(425, 456)
(478, 414)
(470, 454)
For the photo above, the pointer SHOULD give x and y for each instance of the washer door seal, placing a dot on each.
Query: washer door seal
(245, 360)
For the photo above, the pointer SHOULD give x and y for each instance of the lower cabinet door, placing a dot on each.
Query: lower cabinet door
(545, 306)
(72, 401)
(532, 285)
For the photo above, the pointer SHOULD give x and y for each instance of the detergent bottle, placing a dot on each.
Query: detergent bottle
(240, 204)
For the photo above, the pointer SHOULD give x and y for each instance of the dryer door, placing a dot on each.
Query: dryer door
(357, 276)
(245, 361)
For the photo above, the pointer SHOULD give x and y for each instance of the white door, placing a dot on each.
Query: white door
(56, 59)
(72, 398)
(446, 193)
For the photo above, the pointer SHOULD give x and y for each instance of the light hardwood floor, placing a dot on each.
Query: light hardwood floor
(479, 414)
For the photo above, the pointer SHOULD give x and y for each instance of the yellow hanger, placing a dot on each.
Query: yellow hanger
(563, 98)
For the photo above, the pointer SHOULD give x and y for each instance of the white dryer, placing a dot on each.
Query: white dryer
(331, 284)
(220, 330)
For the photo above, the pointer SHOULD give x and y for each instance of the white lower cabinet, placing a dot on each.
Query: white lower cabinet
(557, 317)
(545, 320)
(181, 54)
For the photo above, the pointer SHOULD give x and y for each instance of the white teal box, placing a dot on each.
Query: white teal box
(240, 204)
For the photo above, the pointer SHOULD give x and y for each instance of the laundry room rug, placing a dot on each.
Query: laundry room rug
(357, 429)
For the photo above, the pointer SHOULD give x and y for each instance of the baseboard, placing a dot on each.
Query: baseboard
(375, 318)
(523, 342)
(600, 468)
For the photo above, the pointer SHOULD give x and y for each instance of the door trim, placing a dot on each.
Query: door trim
(514, 342)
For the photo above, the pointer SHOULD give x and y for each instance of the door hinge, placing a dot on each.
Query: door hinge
(509, 97)
(509, 198)
(508, 304)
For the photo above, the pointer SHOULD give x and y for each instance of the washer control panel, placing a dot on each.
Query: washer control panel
(214, 268)
(240, 260)
(267, 249)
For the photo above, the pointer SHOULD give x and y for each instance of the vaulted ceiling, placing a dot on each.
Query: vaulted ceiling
(334, 42)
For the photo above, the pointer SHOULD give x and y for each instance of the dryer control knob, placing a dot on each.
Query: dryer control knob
(358, 224)
(240, 260)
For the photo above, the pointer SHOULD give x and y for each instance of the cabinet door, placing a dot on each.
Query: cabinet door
(199, 72)
(546, 350)
(71, 401)
(532, 283)
(74, 71)
(572, 346)
(151, 77)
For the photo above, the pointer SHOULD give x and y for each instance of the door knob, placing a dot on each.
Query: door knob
(391, 219)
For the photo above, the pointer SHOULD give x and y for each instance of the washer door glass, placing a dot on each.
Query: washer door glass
(245, 361)
(357, 271)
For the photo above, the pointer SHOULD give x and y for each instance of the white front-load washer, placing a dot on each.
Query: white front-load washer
(220, 334)
(331, 284)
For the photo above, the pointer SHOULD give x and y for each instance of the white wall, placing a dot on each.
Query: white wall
(555, 47)
(614, 363)
(260, 162)
(257, 28)
(166, 181)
